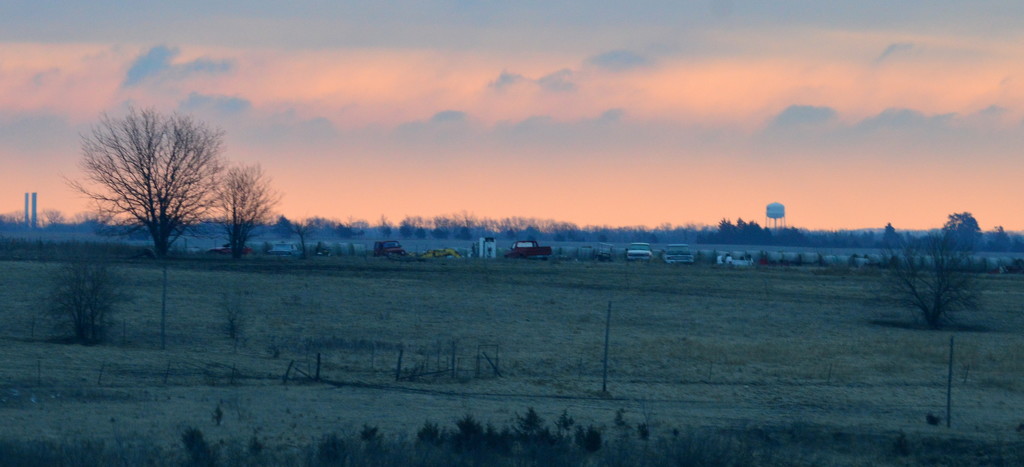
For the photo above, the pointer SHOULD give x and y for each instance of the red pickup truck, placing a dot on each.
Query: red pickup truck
(388, 248)
(528, 249)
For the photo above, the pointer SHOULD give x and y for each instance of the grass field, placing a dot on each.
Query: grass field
(691, 347)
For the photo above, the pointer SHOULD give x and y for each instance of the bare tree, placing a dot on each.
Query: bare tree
(932, 275)
(244, 201)
(235, 305)
(302, 228)
(84, 295)
(53, 217)
(151, 171)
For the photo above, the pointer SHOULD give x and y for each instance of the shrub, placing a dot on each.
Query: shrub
(564, 423)
(234, 306)
(331, 450)
(84, 296)
(199, 452)
(588, 439)
(429, 433)
(469, 435)
(529, 425)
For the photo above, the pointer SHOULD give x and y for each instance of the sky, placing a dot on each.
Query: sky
(853, 114)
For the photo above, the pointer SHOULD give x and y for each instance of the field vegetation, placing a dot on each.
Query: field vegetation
(768, 365)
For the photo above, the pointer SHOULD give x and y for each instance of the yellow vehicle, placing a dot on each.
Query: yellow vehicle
(441, 253)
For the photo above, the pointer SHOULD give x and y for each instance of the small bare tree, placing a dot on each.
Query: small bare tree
(235, 306)
(302, 228)
(932, 275)
(151, 171)
(84, 295)
(53, 217)
(244, 201)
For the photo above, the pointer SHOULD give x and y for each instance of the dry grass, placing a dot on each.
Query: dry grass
(690, 346)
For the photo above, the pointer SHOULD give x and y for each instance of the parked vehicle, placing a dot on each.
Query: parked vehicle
(441, 253)
(322, 249)
(604, 251)
(678, 253)
(388, 248)
(528, 249)
(283, 249)
(639, 252)
(226, 250)
(728, 260)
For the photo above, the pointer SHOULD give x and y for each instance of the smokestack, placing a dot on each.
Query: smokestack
(26, 209)
(34, 224)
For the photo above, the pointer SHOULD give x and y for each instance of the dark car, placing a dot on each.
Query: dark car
(226, 250)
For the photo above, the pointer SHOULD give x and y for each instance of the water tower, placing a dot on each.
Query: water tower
(775, 216)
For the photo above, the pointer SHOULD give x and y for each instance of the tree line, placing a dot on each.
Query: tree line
(159, 176)
(467, 227)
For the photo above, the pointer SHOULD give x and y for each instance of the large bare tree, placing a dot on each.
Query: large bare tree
(152, 171)
(244, 201)
(932, 275)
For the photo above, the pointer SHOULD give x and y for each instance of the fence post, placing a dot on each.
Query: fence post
(398, 367)
(317, 366)
(949, 385)
(163, 313)
(607, 330)
(289, 370)
(454, 375)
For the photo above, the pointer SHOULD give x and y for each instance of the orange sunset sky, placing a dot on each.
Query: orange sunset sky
(852, 114)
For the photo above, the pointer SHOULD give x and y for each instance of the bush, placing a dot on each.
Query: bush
(588, 439)
(200, 453)
(235, 309)
(430, 434)
(84, 296)
(331, 450)
(469, 435)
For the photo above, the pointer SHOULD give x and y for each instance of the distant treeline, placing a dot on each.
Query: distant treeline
(469, 227)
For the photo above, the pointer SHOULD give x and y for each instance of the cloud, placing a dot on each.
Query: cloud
(441, 129)
(895, 48)
(903, 119)
(606, 132)
(619, 60)
(611, 116)
(803, 115)
(158, 61)
(153, 62)
(448, 116)
(993, 111)
(286, 130)
(559, 81)
(506, 79)
(222, 104)
(30, 132)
